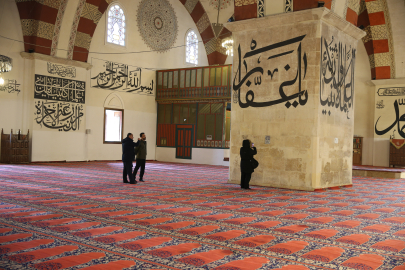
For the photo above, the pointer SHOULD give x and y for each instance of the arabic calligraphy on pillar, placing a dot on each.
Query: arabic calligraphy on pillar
(337, 76)
(62, 116)
(121, 77)
(267, 62)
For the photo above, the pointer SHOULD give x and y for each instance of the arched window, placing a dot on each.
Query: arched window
(191, 48)
(116, 25)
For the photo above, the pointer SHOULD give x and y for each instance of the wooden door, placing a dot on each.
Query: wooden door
(184, 141)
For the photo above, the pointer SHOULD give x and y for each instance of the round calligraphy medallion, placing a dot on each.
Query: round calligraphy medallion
(157, 24)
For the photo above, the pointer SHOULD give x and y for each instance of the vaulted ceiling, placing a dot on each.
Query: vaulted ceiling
(42, 19)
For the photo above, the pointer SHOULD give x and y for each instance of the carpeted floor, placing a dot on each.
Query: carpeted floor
(81, 216)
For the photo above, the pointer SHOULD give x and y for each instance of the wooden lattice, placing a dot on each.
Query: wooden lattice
(15, 148)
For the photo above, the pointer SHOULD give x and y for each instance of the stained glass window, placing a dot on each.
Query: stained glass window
(192, 48)
(116, 26)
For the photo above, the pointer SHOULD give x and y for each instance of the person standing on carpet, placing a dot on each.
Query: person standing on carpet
(141, 152)
(247, 151)
(128, 155)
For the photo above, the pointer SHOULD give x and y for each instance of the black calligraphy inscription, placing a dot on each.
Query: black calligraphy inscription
(391, 94)
(337, 76)
(62, 71)
(10, 86)
(62, 116)
(396, 122)
(121, 77)
(380, 104)
(253, 77)
(58, 89)
(392, 91)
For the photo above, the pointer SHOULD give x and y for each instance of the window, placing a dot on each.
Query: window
(191, 48)
(113, 122)
(116, 25)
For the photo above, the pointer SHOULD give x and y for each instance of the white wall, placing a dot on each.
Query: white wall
(364, 104)
(11, 104)
(385, 115)
(140, 111)
(198, 155)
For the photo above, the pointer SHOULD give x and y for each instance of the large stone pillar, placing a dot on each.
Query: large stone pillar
(293, 80)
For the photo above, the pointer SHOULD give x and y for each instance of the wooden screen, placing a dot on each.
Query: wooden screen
(166, 134)
(15, 148)
(194, 83)
(397, 154)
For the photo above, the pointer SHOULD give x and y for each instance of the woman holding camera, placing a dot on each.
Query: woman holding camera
(247, 151)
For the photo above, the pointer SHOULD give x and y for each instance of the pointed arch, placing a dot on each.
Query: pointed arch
(373, 17)
(212, 42)
(114, 100)
(88, 15)
(39, 21)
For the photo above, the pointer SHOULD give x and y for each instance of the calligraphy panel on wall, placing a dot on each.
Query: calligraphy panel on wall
(58, 115)
(10, 87)
(62, 71)
(115, 76)
(53, 88)
(389, 116)
(59, 102)
(337, 76)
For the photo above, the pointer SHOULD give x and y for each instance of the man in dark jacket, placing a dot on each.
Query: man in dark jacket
(128, 155)
(140, 157)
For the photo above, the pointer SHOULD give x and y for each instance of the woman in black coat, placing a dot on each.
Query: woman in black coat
(247, 151)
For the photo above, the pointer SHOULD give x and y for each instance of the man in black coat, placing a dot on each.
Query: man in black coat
(247, 151)
(128, 155)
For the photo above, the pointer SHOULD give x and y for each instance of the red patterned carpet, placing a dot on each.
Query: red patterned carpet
(81, 216)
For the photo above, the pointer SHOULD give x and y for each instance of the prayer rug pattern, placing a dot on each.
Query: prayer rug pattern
(81, 216)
